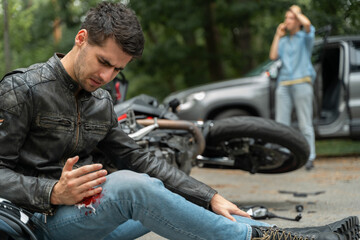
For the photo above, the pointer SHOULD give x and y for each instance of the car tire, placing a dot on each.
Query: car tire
(271, 147)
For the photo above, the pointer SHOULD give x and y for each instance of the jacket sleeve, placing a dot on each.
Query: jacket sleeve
(15, 119)
(124, 151)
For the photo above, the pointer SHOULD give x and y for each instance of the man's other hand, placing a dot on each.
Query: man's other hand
(76, 184)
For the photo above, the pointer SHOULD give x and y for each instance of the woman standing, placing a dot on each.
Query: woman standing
(293, 43)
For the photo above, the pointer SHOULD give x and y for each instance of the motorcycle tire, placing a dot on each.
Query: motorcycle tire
(257, 145)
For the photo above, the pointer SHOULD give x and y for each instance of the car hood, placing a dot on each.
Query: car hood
(218, 85)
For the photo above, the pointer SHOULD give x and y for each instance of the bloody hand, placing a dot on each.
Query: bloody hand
(76, 184)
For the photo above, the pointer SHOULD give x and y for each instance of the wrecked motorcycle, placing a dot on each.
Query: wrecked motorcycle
(175, 141)
(252, 144)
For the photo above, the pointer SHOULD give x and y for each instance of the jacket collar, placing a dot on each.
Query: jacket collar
(63, 76)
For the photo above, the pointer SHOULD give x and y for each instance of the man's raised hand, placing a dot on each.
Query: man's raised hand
(76, 184)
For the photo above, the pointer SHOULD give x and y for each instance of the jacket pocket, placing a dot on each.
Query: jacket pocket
(101, 129)
(55, 123)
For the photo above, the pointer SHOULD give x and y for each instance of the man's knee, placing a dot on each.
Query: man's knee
(130, 182)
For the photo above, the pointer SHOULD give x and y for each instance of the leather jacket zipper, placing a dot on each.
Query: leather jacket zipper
(78, 123)
(50, 212)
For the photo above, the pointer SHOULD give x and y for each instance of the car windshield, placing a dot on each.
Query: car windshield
(260, 69)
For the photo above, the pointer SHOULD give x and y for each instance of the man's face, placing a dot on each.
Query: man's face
(96, 66)
(291, 22)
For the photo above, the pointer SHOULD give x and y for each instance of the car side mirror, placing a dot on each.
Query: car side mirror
(274, 69)
(173, 104)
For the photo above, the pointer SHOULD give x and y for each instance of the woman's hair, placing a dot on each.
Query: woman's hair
(117, 21)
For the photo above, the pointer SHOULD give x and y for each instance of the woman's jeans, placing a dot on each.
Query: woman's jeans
(131, 205)
(300, 96)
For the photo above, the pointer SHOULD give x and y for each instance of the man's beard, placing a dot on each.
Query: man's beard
(79, 70)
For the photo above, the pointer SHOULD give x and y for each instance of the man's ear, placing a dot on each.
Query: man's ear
(81, 37)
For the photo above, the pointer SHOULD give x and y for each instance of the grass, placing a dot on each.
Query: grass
(337, 147)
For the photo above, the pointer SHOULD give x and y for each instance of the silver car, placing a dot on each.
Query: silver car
(336, 89)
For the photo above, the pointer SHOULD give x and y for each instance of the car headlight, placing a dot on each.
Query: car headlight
(190, 100)
(199, 96)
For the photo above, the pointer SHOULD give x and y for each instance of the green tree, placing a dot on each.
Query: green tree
(342, 15)
(195, 42)
(37, 33)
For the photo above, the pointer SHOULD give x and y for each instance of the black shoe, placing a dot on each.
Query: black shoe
(274, 233)
(348, 226)
(309, 165)
(345, 229)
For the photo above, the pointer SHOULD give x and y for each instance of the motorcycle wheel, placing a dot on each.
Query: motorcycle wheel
(256, 145)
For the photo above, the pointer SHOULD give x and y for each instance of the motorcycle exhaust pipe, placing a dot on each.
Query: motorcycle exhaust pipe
(144, 131)
(180, 125)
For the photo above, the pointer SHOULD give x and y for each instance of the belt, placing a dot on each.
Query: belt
(296, 81)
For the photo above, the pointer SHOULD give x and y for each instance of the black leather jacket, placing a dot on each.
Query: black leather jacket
(42, 124)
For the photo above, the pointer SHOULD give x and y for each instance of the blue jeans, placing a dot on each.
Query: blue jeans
(131, 205)
(300, 96)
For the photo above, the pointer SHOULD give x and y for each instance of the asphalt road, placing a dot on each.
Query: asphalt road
(327, 193)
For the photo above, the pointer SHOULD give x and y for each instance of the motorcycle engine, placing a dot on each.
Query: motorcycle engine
(175, 147)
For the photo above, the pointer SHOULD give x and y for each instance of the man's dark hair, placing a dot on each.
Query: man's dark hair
(117, 21)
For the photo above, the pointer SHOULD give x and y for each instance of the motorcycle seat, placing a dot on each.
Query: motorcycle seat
(10, 230)
(14, 222)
